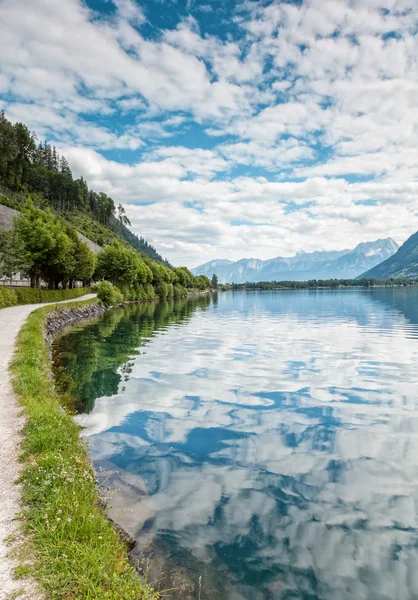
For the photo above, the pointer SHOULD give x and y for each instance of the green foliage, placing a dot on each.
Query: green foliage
(13, 255)
(179, 291)
(27, 295)
(41, 171)
(120, 265)
(51, 248)
(317, 284)
(214, 282)
(183, 276)
(47, 245)
(75, 550)
(202, 282)
(109, 294)
(34, 296)
(7, 297)
(84, 259)
(162, 289)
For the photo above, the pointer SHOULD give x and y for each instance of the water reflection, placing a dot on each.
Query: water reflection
(267, 442)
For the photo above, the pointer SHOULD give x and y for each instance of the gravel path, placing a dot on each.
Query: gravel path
(11, 423)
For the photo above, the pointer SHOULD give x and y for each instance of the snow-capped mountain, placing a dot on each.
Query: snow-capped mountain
(303, 266)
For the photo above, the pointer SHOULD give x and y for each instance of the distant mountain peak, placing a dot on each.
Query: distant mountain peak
(339, 264)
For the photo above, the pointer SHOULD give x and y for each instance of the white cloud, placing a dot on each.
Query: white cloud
(314, 93)
(195, 217)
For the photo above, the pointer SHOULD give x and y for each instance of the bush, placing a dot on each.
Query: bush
(179, 291)
(150, 293)
(36, 295)
(10, 297)
(108, 294)
(162, 290)
(141, 294)
(128, 292)
(7, 297)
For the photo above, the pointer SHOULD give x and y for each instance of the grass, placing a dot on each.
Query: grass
(75, 551)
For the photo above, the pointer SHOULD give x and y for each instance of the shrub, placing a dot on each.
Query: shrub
(7, 297)
(10, 297)
(162, 290)
(149, 291)
(108, 294)
(141, 294)
(179, 291)
(37, 295)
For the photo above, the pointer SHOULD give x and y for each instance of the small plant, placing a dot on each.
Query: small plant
(21, 571)
(108, 294)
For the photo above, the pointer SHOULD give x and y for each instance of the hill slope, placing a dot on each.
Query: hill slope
(342, 264)
(402, 264)
(37, 169)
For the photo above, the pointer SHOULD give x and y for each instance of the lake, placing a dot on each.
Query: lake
(258, 445)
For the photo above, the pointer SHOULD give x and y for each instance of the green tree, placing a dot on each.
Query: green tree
(9, 149)
(118, 264)
(202, 282)
(214, 282)
(184, 277)
(13, 257)
(49, 249)
(84, 259)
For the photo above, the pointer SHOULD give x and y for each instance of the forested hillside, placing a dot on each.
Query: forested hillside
(402, 264)
(29, 166)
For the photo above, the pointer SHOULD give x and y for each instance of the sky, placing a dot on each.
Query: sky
(227, 129)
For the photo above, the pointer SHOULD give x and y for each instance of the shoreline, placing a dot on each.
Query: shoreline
(12, 424)
(28, 368)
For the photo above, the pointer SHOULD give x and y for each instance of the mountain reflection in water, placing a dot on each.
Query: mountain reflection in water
(265, 441)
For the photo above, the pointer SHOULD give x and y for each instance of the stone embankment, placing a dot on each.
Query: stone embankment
(60, 319)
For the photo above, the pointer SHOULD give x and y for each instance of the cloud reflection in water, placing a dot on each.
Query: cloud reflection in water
(276, 435)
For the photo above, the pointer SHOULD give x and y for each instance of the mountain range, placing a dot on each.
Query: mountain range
(404, 263)
(339, 264)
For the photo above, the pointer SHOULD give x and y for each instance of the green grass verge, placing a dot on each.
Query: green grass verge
(75, 550)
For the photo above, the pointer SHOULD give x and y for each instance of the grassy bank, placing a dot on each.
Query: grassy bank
(27, 295)
(75, 550)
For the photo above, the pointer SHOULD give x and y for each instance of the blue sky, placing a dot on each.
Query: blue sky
(228, 129)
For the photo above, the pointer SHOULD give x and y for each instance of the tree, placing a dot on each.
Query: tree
(202, 282)
(84, 259)
(36, 167)
(47, 245)
(65, 167)
(123, 219)
(183, 276)
(118, 264)
(8, 147)
(214, 282)
(13, 257)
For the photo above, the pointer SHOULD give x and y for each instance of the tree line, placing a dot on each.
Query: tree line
(29, 166)
(317, 283)
(50, 250)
